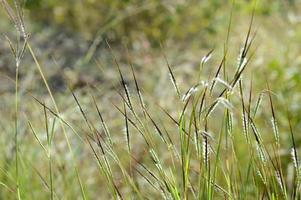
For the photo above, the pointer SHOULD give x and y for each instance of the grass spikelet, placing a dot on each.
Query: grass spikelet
(16, 16)
(227, 104)
(241, 61)
(204, 60)
(295, 158)
(217, 74)
(244, 113)
(123, 83)
(190, 91)
(171, 75)
(221, 81)
(206, 149)
(261, 154)
(279, 180)
(103, 124)
(273, 120)
(127, 132)
(138, 90)
(258, 103)
(275, 130)
(244, 125)
(206, 57)
(294, 152)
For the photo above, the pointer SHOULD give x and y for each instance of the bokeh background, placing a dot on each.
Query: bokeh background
(69, 39)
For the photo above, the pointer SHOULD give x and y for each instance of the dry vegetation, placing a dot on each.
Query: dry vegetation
(136, 118)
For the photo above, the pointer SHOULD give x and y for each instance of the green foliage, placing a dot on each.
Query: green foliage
(157, 20)
(220, 133)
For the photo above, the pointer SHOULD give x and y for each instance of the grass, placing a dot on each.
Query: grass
(212, 141)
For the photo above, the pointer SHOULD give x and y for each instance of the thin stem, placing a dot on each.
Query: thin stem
(16, 131)
(61, 123)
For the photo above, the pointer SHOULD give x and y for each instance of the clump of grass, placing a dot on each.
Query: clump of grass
(193, 154)
(22, 43)
(18, 50)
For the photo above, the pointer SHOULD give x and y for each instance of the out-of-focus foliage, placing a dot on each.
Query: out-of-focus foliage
(61, 32)
(156, 19)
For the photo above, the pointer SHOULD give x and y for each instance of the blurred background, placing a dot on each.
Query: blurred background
(69, 39)
(70, 35)
(73, 32)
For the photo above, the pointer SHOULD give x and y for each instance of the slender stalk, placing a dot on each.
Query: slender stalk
(16, 131)
(49, 151)
(61, 123)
